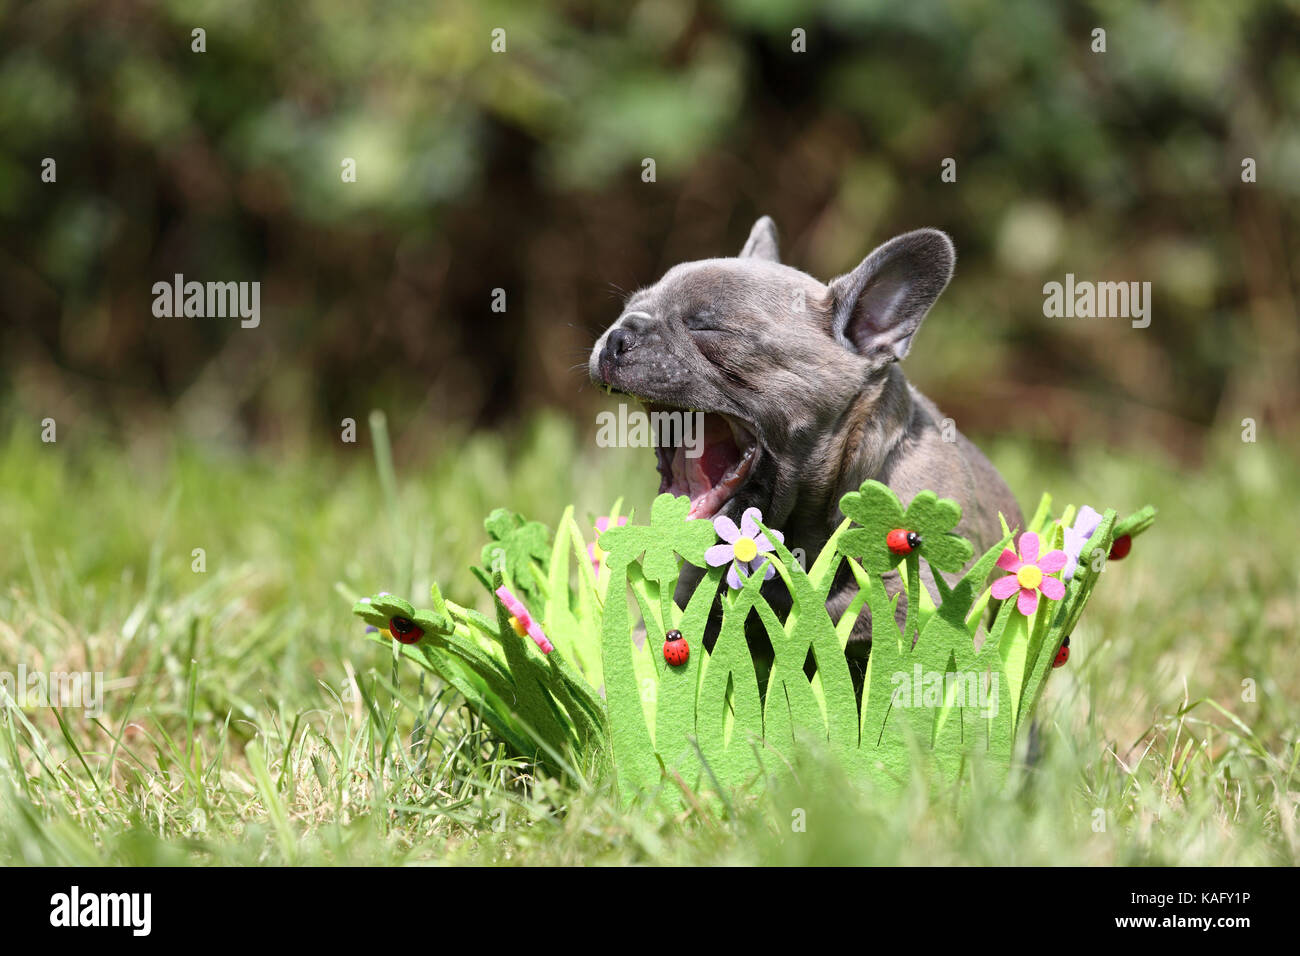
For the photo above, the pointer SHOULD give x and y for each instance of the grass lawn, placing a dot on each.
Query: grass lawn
(245, 719)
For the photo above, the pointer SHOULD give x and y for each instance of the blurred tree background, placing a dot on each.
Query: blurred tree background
(521, 170)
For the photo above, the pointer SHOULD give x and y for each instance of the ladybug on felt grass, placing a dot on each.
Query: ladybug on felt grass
(404, 629)
(676, 651)
(903, 542)
(1062, 653)
(1120, 547)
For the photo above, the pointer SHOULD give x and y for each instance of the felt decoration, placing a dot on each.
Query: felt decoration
(522, 621)
(1076, 537)
(676, 651)
(594, 551)
(387, 613)
(729, 709)
(1135, 523)
(545, 711)
(668, 535)
(1062, 653)
(405, 630)
(518, 549)
(743, 547)
(674, 723)
(1030, 574)
(794, 707)
(876, 509)
(903, 542)
(574, 610)
(878, 512)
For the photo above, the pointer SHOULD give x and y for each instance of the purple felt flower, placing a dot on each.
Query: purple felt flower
(745, 547)
(1029, 574)
(1085, 523)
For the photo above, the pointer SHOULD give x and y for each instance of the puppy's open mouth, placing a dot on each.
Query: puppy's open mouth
(711, 462)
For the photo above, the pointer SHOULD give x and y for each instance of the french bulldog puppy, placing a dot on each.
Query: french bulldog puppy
(802, 395)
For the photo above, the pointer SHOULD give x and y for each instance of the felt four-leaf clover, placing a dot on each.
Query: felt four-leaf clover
(669, 534)
(594, 551)
(878, 511)
(518, 543)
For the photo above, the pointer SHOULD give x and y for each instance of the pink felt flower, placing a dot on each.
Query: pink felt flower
(1029, 574)
(746, 547)
(594, 551)
(522, 621)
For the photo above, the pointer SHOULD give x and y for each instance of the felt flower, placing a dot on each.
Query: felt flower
(522, 621)
(594, 551)
(878, 511)
(1029, 574)
(1085, 523)
(745, 547)
(384, 612)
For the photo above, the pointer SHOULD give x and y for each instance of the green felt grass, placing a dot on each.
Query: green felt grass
(957, 682)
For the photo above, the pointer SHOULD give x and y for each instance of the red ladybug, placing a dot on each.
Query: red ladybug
(1120, 547)
(1063, 654)
(902, 541)
(676, 651)
(404, 630)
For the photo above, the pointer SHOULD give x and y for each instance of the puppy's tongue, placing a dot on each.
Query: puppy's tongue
(720, 451)
(710, 478)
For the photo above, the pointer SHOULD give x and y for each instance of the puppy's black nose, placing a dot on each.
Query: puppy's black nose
(616, 344)
(619, 341)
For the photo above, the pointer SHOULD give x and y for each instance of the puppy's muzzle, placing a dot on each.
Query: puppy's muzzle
(621, 340)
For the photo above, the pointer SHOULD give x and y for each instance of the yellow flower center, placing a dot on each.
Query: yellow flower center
(746, 549)
(519, 627)
(1029, 577)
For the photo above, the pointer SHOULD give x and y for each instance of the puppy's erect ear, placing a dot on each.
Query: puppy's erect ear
(879, 305)
(761, 243)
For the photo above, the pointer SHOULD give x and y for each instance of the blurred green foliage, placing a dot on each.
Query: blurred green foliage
(521, 170)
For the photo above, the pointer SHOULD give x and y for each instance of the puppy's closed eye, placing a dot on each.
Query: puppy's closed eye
(704, 320)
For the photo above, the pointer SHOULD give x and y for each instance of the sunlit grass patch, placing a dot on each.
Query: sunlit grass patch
(246, 722)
